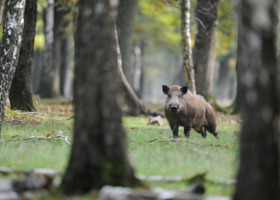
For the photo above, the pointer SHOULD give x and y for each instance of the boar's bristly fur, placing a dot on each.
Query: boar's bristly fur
(182, 108)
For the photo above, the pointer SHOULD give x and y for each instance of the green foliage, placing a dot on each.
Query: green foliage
(227, 28)
(158, 22)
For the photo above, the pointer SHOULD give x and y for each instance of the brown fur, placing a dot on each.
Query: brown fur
(182, 108)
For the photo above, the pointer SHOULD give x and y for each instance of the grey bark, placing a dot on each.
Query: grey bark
(9, 49)
(258, 174)
(124, 22)
(20, 92)
(125, 18)
(204, 48)
(134, 101)
(99, 152)
(47, 74)
(186, 45)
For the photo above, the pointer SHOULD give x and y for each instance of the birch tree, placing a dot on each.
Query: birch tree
(10, 48)
(21, 91)
(186, 45)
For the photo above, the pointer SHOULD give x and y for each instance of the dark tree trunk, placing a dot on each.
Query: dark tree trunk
(223, 76)
(204, 48)
(46, 89)
(125, 18)
(20, 93)
(131, 96)
(9, 49)
(61, 22)
(99, 152)
(258, 174)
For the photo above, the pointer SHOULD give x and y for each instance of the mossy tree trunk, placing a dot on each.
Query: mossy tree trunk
(10, 48)
(258, 174)
(20, 93)
(99, 152)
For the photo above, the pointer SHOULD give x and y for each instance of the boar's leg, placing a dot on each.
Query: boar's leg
(212, 131)
(187, 130)
(175, 130)
(203, 132)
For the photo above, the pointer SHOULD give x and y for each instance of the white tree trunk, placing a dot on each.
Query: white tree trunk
(186, 45)
(10, 48)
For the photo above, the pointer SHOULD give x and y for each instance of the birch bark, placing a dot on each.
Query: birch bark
(10, 48)
(186, 45)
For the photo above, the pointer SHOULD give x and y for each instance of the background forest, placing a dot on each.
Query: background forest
(153, 39)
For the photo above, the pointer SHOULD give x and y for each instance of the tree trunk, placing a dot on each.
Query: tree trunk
(134, 101)
(46, 89)
(258, 174)
(9, 49)
(99, 152)
(186, 45)
(61, 22)
(223, 77)
(2, 5)
(65, 68)
(138, 71)
(204, 48)
(20, 93)
(125, 18)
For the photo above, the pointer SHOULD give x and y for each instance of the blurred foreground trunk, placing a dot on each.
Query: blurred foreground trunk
(9, 49)
(20, 93)
(99, 152)
(258, 174)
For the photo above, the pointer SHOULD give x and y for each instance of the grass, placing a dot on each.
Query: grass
(151, 149)
(184, 157)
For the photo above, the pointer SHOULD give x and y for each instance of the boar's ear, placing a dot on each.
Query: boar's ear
(165, 89)
(184, 89)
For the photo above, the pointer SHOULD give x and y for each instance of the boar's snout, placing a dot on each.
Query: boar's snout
(174, 107)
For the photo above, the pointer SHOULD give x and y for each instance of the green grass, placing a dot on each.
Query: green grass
(184, 157)
(151, 150)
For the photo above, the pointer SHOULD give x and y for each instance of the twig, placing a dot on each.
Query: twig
(146, 142)
(174, 140)
(56, 137)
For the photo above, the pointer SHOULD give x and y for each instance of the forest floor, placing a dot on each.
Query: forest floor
(43, 140)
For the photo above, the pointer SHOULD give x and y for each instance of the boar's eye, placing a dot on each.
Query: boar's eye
(169, 95)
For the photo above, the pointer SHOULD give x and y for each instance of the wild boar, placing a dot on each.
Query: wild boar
(182, 108)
